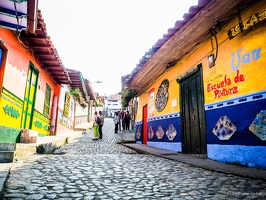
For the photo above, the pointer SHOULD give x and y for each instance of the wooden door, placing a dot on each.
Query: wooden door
(29, 98)
(192, 114)
(145, 125)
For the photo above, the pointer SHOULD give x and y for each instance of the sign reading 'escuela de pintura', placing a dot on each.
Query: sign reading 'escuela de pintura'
(246, 24)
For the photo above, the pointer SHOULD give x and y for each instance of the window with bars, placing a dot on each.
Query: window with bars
(47, 100)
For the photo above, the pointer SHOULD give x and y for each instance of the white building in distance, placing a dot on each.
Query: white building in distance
(112, 104)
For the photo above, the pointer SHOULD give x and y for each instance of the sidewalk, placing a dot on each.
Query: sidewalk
(199, 162)
(195, 161)
(128, 140)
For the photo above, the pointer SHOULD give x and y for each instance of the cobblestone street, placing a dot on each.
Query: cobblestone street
(103, 169)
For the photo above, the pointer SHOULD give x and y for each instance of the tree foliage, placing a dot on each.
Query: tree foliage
(127, 95)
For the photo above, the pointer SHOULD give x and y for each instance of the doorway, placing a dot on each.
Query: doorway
(145, 125)
(29, 98)
(193, 113)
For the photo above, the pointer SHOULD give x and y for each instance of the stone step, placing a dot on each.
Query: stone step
(7, 152)
(6, 156)
(80, 129)
(24, 150)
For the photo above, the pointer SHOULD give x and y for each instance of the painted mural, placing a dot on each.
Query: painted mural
(224, 128)
(163, 131)
(162, 95)
(258, 126)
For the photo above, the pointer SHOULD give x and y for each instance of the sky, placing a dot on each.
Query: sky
(105, 39)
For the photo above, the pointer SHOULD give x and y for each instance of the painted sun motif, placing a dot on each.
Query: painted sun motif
(150, 133)
(224, 128)
(171, 132)
(258, 126)
(160, 132)
(162, 96)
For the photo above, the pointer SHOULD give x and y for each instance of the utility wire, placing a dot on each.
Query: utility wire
(141, 18)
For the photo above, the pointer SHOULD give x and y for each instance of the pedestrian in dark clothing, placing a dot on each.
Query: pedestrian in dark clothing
(127, 120)
(123, 114)
(116, 119)
(119, 121)
(101, 124)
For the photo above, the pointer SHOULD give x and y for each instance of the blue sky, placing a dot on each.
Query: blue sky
(105, 39)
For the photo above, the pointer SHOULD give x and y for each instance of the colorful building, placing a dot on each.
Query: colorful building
(35, 86)
(31, 76)
(201, 88)
(76, 103)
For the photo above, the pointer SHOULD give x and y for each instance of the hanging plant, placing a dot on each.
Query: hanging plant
(78, 97)
(97, 104)
(75, 92)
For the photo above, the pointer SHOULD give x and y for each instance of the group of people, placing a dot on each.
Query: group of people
(122, 120)
(98, 122)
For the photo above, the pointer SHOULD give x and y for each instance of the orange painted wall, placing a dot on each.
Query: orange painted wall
(251, 81)
(16, 69)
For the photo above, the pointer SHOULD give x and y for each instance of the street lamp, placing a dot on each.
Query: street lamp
(97, 82)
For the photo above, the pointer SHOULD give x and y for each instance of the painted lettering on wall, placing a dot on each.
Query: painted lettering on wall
(238, 58)
(247, 24)
(224, 87)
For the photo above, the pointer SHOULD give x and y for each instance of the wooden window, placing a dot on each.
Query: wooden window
(67, 104)
(47, 100)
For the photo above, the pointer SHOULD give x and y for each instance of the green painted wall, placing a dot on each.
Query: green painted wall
(9, 135)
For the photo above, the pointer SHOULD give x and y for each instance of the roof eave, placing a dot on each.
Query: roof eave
(177, 46)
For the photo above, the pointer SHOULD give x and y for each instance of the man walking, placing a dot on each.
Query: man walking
(119, 121)
(101, 124)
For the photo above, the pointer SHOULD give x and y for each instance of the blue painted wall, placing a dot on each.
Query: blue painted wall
(243, 147)
(169, 123)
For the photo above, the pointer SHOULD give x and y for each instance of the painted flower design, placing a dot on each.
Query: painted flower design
(160, 132)
(150, 133)
(171, 132)
(258, 126)
(224, 128)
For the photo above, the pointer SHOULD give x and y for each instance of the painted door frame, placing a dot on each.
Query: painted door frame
(30, 97)
(145, 125)
(2, 65)
(193, 122)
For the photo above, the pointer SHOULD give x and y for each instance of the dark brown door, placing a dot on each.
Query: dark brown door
(192, 114)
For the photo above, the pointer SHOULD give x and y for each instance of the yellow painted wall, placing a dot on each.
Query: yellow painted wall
(41, 123)
(249, 78)
(11, 109)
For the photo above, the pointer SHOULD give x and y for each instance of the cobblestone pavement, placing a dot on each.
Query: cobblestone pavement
(87, 169)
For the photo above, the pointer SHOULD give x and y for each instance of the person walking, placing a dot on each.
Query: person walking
(119, 121)
(96, 126)
(101, 125)
(116, 120)
(123, 114)
(127, 120)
